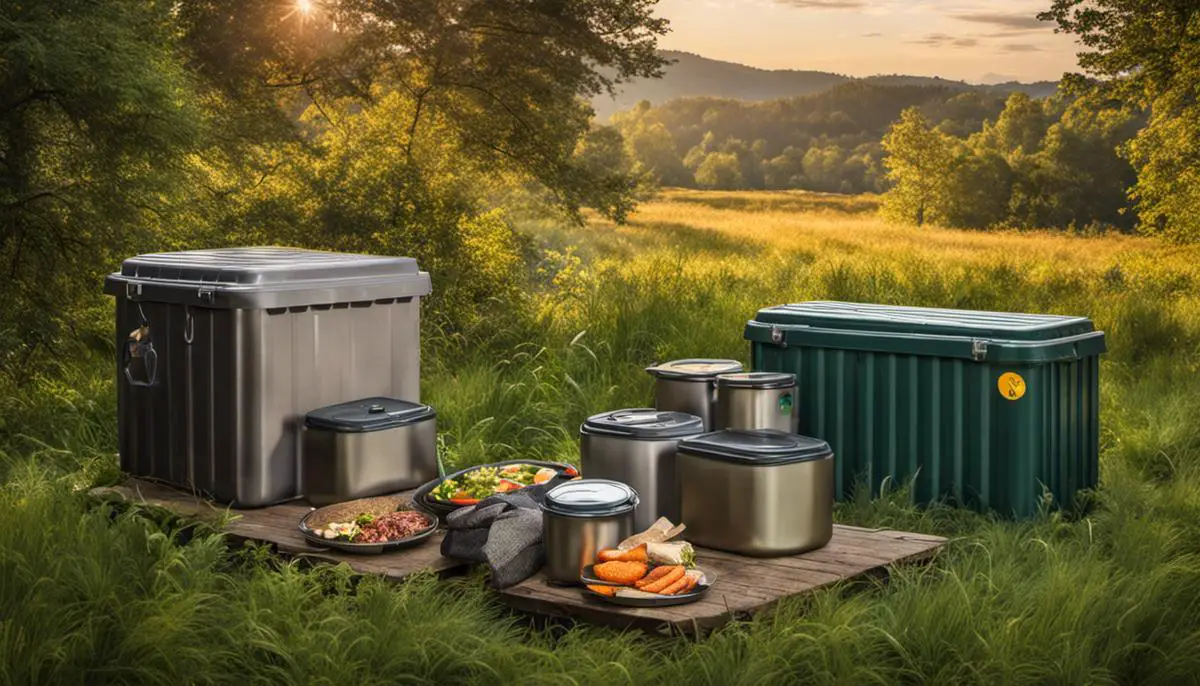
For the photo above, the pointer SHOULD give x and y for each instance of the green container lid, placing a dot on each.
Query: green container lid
(980, 336)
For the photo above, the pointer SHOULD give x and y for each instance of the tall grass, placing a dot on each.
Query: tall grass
(93, 593)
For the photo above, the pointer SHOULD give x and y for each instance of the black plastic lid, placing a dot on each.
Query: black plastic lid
(368, 414)
(590, 498)
(757, 447)
(694, 369)
(757, 380)
(644, 424)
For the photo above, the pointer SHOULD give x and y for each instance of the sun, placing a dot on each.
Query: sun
(305, 7)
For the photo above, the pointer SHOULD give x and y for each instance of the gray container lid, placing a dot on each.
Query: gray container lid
(766, 447)
(368, 414)
(698, 369)
(760, 380)
(590, 498)
(266, 277)
(644, 424)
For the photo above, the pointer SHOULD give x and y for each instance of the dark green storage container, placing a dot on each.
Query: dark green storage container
(985, 408)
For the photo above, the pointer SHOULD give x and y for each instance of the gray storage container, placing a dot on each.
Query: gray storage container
(221, 353)
(367, 447)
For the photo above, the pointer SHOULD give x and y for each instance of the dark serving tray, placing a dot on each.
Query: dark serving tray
(654, 601)
(348, 510)
(422, 501)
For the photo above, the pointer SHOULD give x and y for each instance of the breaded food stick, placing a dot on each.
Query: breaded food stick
(618, 572)
(655, 574)
(677, 572)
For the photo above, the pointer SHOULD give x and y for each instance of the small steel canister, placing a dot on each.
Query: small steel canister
(763, 493)
(757, 400)
(367, 447)
(579, 519)
(688, 386)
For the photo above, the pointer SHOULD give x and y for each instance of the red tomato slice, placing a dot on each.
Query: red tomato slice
(464, 501)
(507, 485)
(571, 471)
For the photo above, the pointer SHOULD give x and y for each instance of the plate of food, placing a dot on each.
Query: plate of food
(368, 526)
(468, 486)
(647, 570)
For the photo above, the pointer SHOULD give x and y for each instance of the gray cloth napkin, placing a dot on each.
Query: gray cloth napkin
(503, 531)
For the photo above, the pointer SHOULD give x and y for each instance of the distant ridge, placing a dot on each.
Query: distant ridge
(696, 76)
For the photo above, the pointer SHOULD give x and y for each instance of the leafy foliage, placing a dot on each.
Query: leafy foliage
(1039, 164)
(130, 126)
(1147, 53)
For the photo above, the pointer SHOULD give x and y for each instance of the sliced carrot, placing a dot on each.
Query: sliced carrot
(691, 583)
(656, 574)
(677, 572)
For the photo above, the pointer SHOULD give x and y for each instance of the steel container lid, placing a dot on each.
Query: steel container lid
(590, 498)
(368, 414)
(694, 369)
(766, 447)
(762, 380)
(644, 424)
(266, 277)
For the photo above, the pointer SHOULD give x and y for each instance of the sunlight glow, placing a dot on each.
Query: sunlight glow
(304, 6)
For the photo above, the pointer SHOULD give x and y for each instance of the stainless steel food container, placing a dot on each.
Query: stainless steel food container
(763, 493)
(757, 400)
(231, 347)
(688, 386)
(637, 447)
(579, 519)
(367, 447)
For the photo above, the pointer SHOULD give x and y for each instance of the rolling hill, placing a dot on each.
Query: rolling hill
(693, 75)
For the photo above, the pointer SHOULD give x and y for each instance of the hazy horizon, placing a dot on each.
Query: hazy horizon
(971, 40)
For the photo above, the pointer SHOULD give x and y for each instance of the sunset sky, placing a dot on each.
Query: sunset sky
(972, 40)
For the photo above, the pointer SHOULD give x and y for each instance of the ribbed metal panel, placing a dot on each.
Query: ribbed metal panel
(943, 423)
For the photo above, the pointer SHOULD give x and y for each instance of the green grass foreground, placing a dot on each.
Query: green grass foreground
(93, 594)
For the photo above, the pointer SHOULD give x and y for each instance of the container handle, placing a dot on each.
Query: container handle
(140, 359)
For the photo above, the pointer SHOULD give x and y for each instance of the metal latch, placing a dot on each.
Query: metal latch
(205, 294)
(132, 290)
(777, 336)
(978, 350)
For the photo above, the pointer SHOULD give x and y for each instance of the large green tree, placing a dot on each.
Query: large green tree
(917, 165)
(128, 125)
(1147, 53)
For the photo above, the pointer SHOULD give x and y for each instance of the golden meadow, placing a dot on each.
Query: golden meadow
(131, 595)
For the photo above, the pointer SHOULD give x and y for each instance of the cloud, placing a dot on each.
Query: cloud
(1024, 22)
(876, 34)
(938, 40)
(1020, 47)
(825, 4)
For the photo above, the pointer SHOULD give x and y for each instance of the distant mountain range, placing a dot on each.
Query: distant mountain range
(694, 76)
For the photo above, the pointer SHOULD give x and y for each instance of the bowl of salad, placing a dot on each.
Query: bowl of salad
(467, 487)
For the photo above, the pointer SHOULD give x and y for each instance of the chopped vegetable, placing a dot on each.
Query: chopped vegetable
(482, 482)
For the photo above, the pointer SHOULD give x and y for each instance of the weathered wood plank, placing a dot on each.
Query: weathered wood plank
(277, 525)
(744, 585)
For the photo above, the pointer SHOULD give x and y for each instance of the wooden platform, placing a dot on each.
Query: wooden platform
(744, 586)
(277, 525)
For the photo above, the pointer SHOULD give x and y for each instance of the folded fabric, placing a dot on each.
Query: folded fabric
(503, 531)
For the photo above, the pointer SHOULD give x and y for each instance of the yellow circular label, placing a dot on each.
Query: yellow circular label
(1012, 386)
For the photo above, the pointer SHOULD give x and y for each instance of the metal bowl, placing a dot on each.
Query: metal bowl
(422, 501)
(351, 509)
